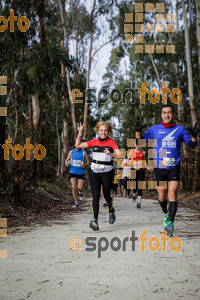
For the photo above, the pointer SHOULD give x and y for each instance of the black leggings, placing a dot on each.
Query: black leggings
(96, 180)
(139, 177)
(114, 188)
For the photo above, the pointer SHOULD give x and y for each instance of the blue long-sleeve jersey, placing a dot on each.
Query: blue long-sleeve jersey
(167, 142)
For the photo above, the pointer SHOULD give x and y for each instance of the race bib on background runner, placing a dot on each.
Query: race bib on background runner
(137, 165)
(77, 163)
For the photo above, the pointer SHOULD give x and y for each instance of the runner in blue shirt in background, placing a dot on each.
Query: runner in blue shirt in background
(77, 160)
(168, 137)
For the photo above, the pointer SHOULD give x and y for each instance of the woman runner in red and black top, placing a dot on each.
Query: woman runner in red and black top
(101, 171)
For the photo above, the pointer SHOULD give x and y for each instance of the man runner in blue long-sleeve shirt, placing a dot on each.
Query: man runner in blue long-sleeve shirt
(168, 137)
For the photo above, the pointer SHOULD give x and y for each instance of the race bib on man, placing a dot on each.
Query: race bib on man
(168, 161)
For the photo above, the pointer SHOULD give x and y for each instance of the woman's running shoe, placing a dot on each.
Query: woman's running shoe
(75, 205)
(112, 216)
(94, 225)
(138, 204)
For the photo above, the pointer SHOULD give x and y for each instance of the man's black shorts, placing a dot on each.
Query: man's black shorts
(77, 176)
(167, 174)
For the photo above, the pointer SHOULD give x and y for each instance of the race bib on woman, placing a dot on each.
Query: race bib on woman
(97, 168)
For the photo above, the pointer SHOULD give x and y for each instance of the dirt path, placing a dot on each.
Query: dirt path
(40, 264)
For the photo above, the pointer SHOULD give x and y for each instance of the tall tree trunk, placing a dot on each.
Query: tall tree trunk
(190, 14)
(38, 124)
(175, 64)
(35, 127)
(89, 68)
(65, 46)
(177, 19)
(16, 190)
(2, 160)
(65, 148)
(65, 141)
(35, 111)
(77, 58)
(59, 147)
(156, 70)
(191, 95)
(197, 149)
(41, 20)
(40, 163)
(198, 30)
(189, 68)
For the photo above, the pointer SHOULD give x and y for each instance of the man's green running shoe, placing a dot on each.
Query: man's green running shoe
(165, 220)
(169, 228)
(94, 225)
